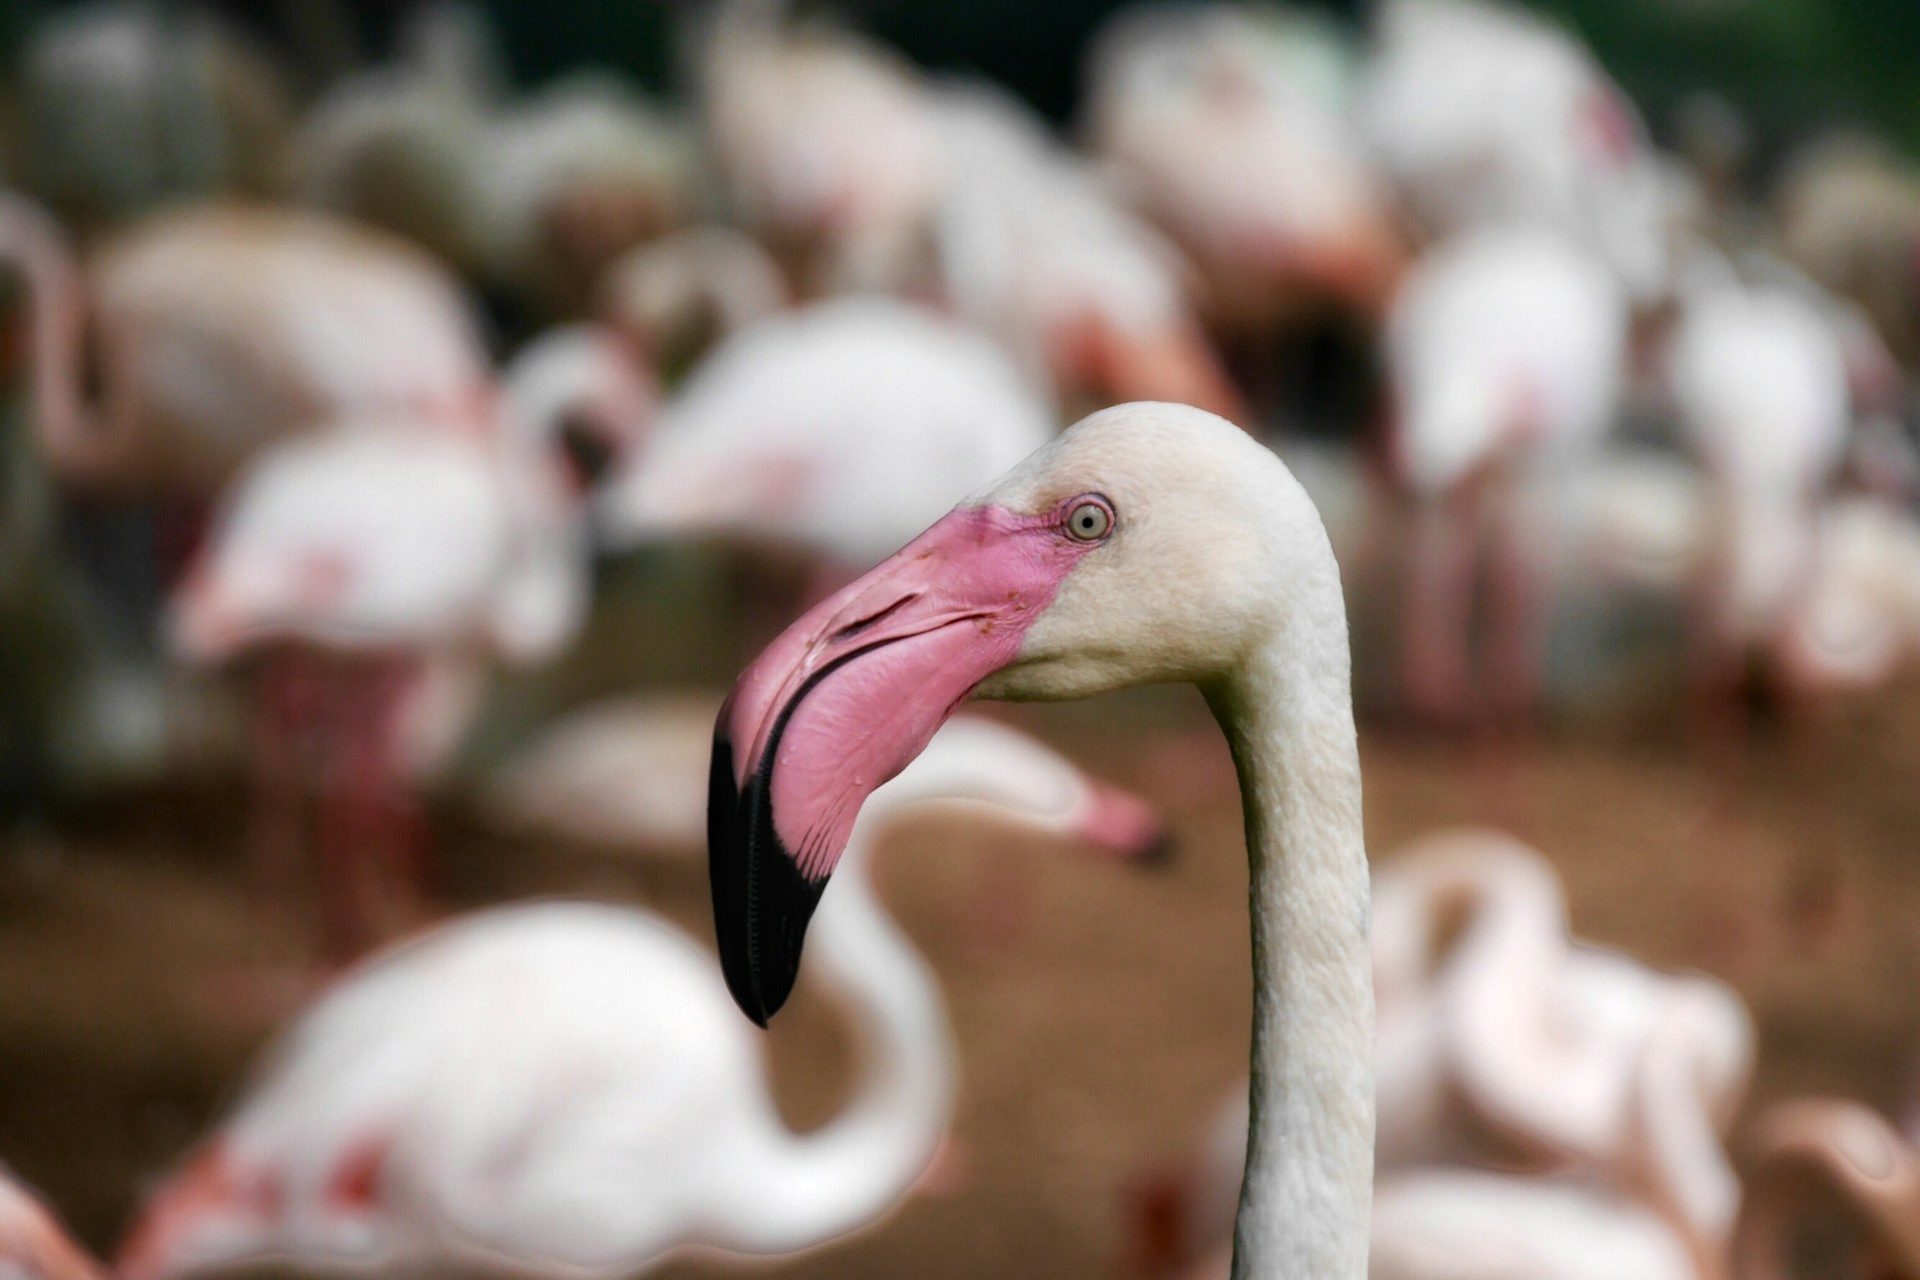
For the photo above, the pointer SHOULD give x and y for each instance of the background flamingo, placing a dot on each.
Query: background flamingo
(1504, 351)
(1150, 542)
(203, 334)
(1501, 1044)
(33, 1244)
(1835, 1191)
(838, 428)
(1229, 124)
(352, 561)
(416, 1115)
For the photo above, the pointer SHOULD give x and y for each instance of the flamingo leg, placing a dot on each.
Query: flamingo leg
(345, 915)
(282, 715)
(1518, 634)
(1437, 610)
(393, 809)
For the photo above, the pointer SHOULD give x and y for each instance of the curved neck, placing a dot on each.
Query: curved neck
(62, 422)
(1696, 1055)
(813, 1187)
(1305, 1206)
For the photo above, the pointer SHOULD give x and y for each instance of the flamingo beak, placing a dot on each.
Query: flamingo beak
(842, 701)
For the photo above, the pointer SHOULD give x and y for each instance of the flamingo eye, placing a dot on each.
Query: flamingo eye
(1089, 519)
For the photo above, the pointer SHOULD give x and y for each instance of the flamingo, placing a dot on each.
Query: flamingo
(357, 560)
(1505, 351)
(1149, 543)
(838, 428)
(1509, 1047)
(33, 1244)
(825, 147)
(199, 335)
(1667, 1215)
(1848, 215)
(395, 145)
(1230, 126)
(685, 291)
(1031, 246)
(1486, 114)
(1860, 620)
(1834, 1193)
(121, 109)
(573, 177)
(562, 1087)
(621, 772)
(1759, 381)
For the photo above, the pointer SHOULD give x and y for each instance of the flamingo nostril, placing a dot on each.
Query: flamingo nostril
(874, 619)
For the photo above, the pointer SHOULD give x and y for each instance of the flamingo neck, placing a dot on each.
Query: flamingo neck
(845, 1175)
(1305, 1205)
(1692, 1073)
(55, 320)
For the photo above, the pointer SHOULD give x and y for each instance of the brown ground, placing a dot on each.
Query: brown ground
(1101, 1036)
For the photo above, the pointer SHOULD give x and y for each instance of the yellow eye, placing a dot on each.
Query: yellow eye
(1090, 520)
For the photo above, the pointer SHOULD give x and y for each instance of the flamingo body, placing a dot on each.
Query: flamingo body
(838, 428)
(562, 1087)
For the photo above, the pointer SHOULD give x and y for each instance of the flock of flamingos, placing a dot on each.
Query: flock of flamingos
(376, 431)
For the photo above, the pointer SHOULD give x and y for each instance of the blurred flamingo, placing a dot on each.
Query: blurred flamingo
(1834, 1193)
(535, 196)
(1229, 125)
(1487, 114)
(120, 109)
(1032, 247)
(1759, 380)
(1505, 351)
(566, 1086)
(573, 177)
(678, 296)
(1848, 214)
(200, 335)
(824, 145)
(1500, 1043)
(1665, 1212)
(838, 428)
(352, 563)
(33, 1244)
(395, 145)
(626, 772)
(878, 180)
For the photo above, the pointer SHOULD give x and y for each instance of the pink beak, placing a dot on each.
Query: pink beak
(842, 701)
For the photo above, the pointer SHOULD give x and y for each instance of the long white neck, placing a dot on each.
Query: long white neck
(815, 1186)
(1306, 1203)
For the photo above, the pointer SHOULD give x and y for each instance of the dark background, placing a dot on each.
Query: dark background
(1794, 66)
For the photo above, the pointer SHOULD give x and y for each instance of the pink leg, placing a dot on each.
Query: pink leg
(345, 913)
(1522, 622)
(1436, 611)
(282, 713)
(393, 809)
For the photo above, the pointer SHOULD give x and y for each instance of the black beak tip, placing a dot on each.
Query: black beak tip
(761, 901)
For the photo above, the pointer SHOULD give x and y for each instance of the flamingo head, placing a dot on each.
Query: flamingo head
(1151, 543)
(976, 760)
(580, 396)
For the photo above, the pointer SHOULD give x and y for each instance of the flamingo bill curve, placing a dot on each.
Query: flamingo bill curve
(842, 701)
